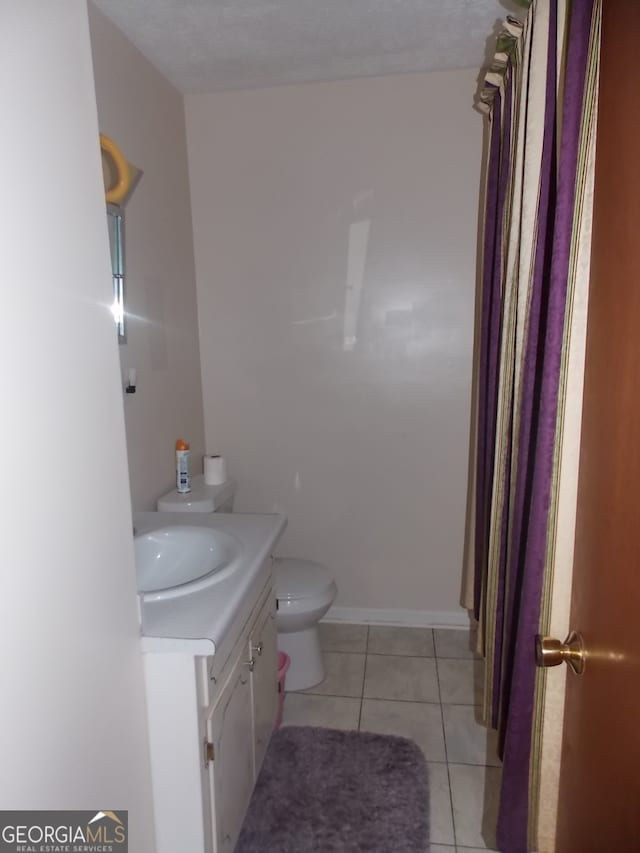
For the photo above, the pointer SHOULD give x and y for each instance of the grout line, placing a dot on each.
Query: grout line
(309, 692)
(398, 655)
(400, 701)
(364, 677)
(404, 701)
(444, 737)
(343, 651)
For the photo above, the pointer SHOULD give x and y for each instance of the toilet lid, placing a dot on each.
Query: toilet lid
(296, 578)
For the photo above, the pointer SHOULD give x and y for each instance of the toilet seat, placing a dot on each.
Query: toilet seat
(297, 579)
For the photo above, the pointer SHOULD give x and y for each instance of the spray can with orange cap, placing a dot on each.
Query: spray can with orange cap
(183, 478)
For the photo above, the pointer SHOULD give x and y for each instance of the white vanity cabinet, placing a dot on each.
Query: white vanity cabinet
(210, 720)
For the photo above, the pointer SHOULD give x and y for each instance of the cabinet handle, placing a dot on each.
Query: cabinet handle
(258, 649)
(250, 663)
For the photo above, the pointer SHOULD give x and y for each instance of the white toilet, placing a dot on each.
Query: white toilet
(304, 590)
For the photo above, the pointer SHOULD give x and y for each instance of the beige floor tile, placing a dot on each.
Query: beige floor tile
(332, 712)
(455, 643)
(386, 640)
(460, 681)
(344, 675)
(475, 792)
(418, 721)
(404, 678)
(440, 817)
(339, 637)
(469, 741)
(403, 689)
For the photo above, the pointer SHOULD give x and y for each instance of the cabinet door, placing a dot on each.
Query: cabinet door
(232, 767)
(264, 680)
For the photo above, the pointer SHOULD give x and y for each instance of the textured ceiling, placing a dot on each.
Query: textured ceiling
(208, 45)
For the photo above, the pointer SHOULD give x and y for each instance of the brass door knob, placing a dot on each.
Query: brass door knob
(551, 652)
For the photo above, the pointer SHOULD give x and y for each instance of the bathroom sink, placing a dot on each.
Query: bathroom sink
(180, 559)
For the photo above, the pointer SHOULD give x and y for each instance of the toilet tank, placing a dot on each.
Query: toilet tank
(201, 498)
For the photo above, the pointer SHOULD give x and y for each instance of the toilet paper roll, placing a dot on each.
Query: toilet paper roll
(215, 470)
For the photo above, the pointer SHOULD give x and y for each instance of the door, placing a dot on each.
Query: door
(264, 680)
(599, 802)
(232, 766)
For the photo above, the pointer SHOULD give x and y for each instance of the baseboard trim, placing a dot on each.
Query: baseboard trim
(403, 618)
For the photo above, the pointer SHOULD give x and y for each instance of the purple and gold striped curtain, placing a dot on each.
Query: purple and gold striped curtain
(540, 98)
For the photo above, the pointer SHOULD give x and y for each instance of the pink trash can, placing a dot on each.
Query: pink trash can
(283, 666)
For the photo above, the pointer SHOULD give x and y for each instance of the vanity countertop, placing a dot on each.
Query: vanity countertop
(196, 624)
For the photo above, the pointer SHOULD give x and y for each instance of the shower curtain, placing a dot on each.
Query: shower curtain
(540, 97)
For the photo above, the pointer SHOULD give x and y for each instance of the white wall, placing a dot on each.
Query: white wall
(72, 718)
(335, 239)
(143, 112)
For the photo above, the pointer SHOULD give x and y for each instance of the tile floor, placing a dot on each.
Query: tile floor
(426, 685)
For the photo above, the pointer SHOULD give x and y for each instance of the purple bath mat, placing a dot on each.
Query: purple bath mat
(329, 791)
